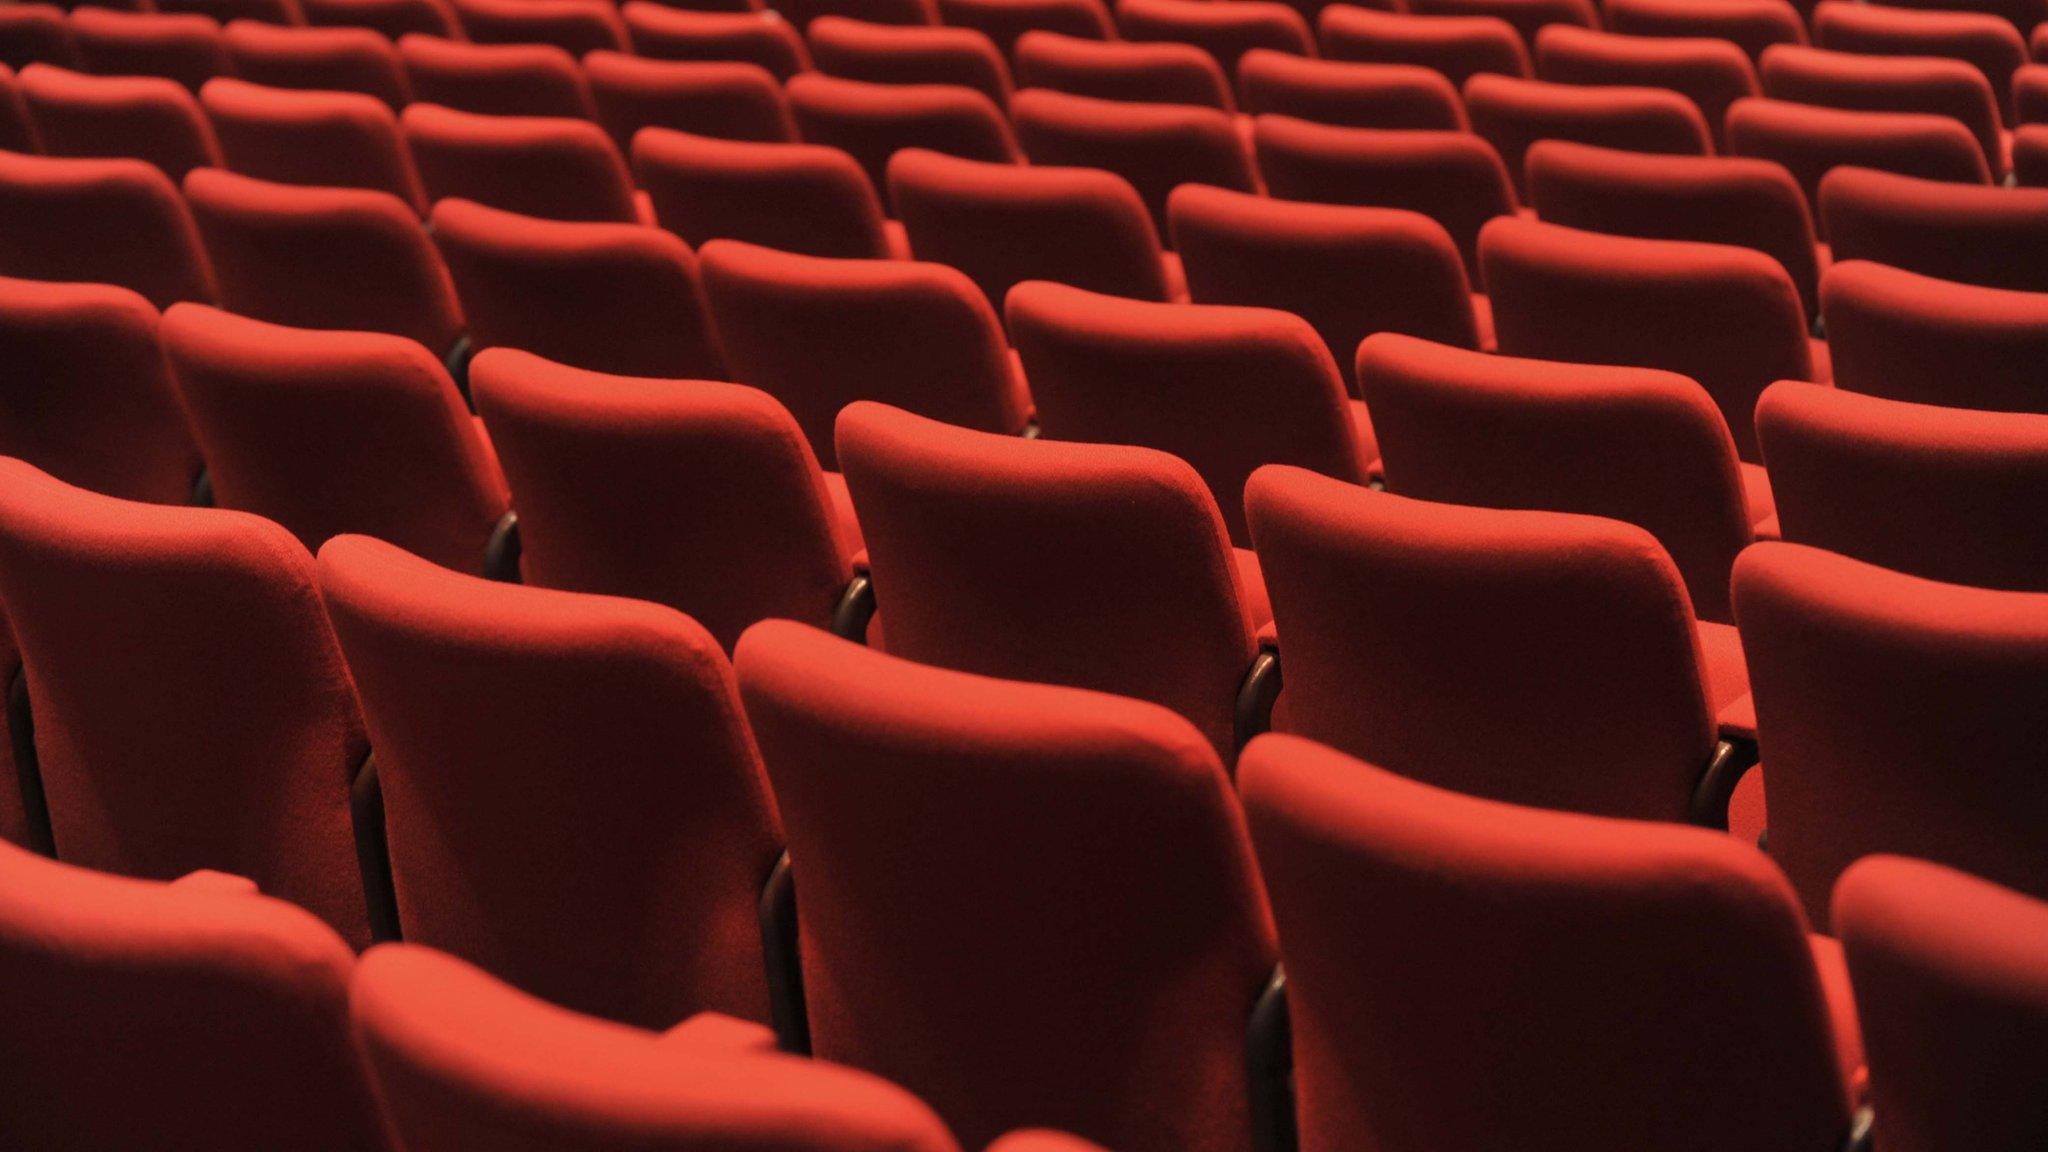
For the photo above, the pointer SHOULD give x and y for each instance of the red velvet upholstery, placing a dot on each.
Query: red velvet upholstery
(462, 1062)
(86, 396)
(1349, 94)
(171, 1016)
(1939, 492)
(666, 33)
(871, 122)
(191, 708)
(342, 258)
(1715, 200)
(818, 334)
(1225, 388)
(1912, 696)
(146, 117)
(935, 816)
(729, 99)
(35, 34)
(108, 221)
(1647, 986)
(1528, 17)
(2026, 15)
(1157, 147)
(700, 496)
(1007, 22)
(1924, 84)
(1711, 73)
(276, 12)
(1911, 337)
(2030, 95)
(320, 59)
(1810, 142)
(1455, 178)
(557, 168)
(1986, 42)
(511, 724)
(1635, 444)
(909, 54)
(1002, 224)
(2030, 155)
(797, 197)
(618, 298)
(1512, 114)
(185, 47)
(1997, 237)
(1460, 47)
(394, 18)
(1952, 984)
(325, 139)
(17, 133)
(574, 26)
(1751, 25)
(1166, 72)
(496, 79)
(1225, 31)
(800, 13)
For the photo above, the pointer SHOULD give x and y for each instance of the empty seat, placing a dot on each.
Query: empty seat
(1997, 237)
(184, 47)
(1007, 22)
(1712, 73)
(323, 139)
(322, 59)
(2030, 95)
(800, 13)
(36, 34)
(1947, 970)
(1225, 388)
(393, 18)
(1003, 224)
(1635, 444)
(818, 334)
(618, 298)
(666, 33)
(729, 99)
(1167, 72)
(510, 723)
(1528, 17)
(1460, 47)
(109, 221)
(1938, 492)
(496, 79)
(1576, 630)
(871, 122)
(1512, 114)
(1717, 200)
(2030, 156)
(2026, 15)
(917, 796)
(283, 13)
(796, 197)
(574, 26)
(993, 554)
(1913, 696)
(1923, 84)
(191, 708)
(1905, 336)
(343, 258)
(1225, 31)
(1582, 931)
(700, 496)
(1810, 142)
(1986, 42)
(1350, 94)
(1455, 178)
(548, 166)
(1157, 147)
(144, 117)
(909, 54)
(191, 1014)
(1562, 294)
(1751, 25)
(86, 396)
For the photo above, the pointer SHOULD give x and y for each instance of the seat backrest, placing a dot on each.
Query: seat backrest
(1997, 237)
(1931, 84)
(800, 13)
(338, 258)
(461, 1061)
(871, 122)
(618, 298)
(194, 1014)
(1710, 199)
(1455, 178)
(796, 197)
(145, 117)
(700, 496)
(1710, 72)
(1905, 336)
(818, 334)
(86, 396)
(1529, 17)
(105, 221)
(666, 33)
(554, 167)
(1350, 94)
(1949, 992)
(1157, 147)
(191, 708)
(1634, 444)
(1987, 42)
(1164, 72)
(934, 815)
(495, 79)
(2030, 154)
(275, 12)
(511, 722)
(34, 33)
(318, 59)
(729, 99)
(1396, 615)
(909, 54)
(1513, 114)
(574, 26)
(1751, 25)
(989, 555)
(185, 47)
(1007, 22)
(1810, 142)
(393, 18)
(1225, 388)
(1460, 47)
(329, 432)
(1563, 294)
(324, 139)
(1225, 31)
(1653, 974)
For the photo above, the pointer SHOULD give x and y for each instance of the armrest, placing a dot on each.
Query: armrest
(784, 961)
(1269, 1066)
(501, 555)
(1729, 762)
(718, 1034)
(1256, 695)
(856, 604)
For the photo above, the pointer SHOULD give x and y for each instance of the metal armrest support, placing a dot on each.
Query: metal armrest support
(501, 555)
(457, 362)
(856, 607)
(1269, 1065)
(785, 964)
(1858, 1137)
(28, 769)
(1256, 695)
(373, 855)
(1733, 757)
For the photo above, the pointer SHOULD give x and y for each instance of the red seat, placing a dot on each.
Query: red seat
(191, 708)
(2030, 156)
(284, 13)
(1665, 973)
(797, 197)
(666, 33)
(192, 1014)
(1512, 114)
(109, 221)
(620, 298)
(1810, 142)
(1905, 336)
(918, 797)
(728, 99)
(909, 54)
(1997, 237)
(1751, 25)
(2030, 95)
(144, 117)
(558, 168)
(1225, 31)
(1711, 73)
(818, 334)
(574, 26)
(871, 122)
(509, 724)
(1986, 42)
(1460, 47)
(393, 18)
(1528, 17)
(1913, 696)
(323, 139)
(1167, 72)
(1225, 388)
(1931, 85)
(496, 79)
(1157, 147)
(700, 496)
(800, 13)
(1007, 21)
(322, 59)
(2026, 15)
(36, 34)
(184, 47)
(1349, 94)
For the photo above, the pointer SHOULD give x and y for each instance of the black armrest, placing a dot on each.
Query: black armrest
(28, 769)
(856, 607)
(373, 855)
(1858, 1137)
(457, 362)
(1256, 695)
(501, 555)
(1732, 758)
(779, 949)
(1269, 1067)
